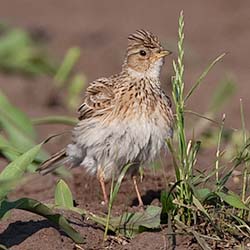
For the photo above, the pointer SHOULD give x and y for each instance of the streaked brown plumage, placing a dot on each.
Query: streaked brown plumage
(124, 119)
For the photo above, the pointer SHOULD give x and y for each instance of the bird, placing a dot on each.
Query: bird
(124, 119)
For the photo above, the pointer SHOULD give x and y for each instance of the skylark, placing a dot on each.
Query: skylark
(124, 119)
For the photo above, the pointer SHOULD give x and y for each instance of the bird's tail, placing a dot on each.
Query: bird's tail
(55, 161)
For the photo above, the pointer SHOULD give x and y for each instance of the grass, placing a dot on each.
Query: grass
(189, 201)
(198, 203)
(20, 54)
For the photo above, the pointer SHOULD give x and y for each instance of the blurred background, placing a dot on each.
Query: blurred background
(50, 50)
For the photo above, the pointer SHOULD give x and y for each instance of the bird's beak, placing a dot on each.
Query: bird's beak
(164, 53)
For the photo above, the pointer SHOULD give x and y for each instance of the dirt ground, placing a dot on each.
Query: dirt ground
(100, 29)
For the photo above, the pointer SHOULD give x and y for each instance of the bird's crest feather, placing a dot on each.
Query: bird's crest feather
(144, 38)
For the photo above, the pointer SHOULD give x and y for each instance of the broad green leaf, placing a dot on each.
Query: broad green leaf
(130, 224)
(203, 193)
(17, 168)
(42, 210)
(12, 153)
(232, 199)
(63, 195)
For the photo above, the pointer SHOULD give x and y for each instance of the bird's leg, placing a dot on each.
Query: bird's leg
(137, 192)
(100, 176)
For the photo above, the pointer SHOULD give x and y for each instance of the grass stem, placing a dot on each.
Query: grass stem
(217, 162)
(246, 165)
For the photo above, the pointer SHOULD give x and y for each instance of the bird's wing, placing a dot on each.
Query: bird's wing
(98, 99)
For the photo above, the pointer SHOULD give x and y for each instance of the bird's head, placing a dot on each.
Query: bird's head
(145, 55)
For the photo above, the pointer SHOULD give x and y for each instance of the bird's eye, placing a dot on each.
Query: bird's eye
(143, 52)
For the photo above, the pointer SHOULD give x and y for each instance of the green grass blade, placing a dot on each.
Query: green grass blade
(20, 54)
(66, 120)
(6, 147)
(17, 168)
(74, 91)
(13, 115)
(199, 206)
(203, 75)
(113, 194)
(69, 61)
(118, 183)
(37, 207)
(202, 243)
(63, 195)
(242, 222)
(225, 90)
(18, 127)
(245, 177)
(218, 153)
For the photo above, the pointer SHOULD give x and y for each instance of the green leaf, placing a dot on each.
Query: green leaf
(113, 194)
(17, 168)
(203, 193)
(232, 199)
(167, 202)
(118, 184)
(12, 153)
(66, 120)
(130, 224)
(7, 150)
(63, 195)
(69, 61)
(242, 222)
(18, 127)
(198, 204)
(42, 210)
(222, 94)
(74, 91)
(19, 54)
(15, 38)
(17, 138)
(13, 115)
(203, 75)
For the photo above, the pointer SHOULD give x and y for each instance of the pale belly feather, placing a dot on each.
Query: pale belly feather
(112, 146)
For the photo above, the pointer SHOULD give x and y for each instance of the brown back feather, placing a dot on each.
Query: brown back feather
(98, 98)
